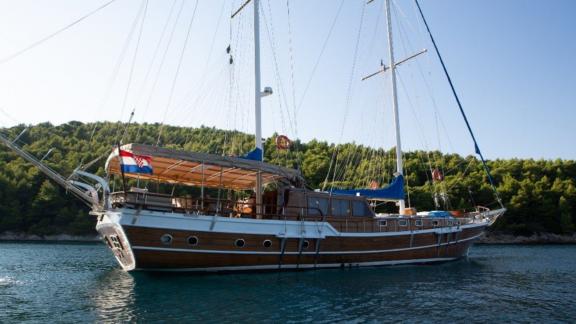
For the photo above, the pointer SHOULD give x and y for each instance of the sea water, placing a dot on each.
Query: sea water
(71, 283)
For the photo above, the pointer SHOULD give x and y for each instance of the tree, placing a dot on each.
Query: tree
(540, 194)
(566, 211)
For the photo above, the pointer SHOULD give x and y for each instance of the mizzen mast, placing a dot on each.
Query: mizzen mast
(258, 94)
(392, 67)
(258, 105)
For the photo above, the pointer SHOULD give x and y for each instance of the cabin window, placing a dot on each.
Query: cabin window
(340, 207)
(402, 222)
(317, 206)
(192, 240)
(360, 208)
(267, 243)
(435, 223)
(166, 239)
(305, 245)
(383, 223)
(418, 222)
(239, 243)
(449, 223)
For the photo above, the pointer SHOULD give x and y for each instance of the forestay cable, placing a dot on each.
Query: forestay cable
(476, 147)
(177, 71)
(54, 34)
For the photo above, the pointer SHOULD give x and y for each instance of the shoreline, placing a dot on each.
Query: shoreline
(537, 238)
(486, 239)
(23, 237)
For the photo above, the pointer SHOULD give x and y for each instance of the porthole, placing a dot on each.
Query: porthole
(449, 223)
(435, 223)
(402, 222)
(267, 243)
(192, 240)
(166, 239)
(305, 245)
(239, 243)
(418, 222)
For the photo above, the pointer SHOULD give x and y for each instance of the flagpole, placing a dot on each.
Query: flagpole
(122, 171)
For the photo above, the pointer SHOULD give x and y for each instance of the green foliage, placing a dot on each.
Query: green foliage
(540, 194)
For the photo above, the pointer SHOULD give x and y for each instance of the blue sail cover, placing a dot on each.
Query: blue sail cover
(394, 191)
(255, 154)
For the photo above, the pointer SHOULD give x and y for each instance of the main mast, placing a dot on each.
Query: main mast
(399, 167)
(258, 105)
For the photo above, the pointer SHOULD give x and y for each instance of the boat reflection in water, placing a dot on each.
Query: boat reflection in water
(331, 295)
(113, 296)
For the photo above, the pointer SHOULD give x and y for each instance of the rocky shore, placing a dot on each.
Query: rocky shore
(538, 238)
(10, 236)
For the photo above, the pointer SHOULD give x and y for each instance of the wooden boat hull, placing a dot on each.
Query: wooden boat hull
(193, 247)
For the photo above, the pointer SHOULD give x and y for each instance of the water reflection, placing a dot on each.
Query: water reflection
(82, 283)
(113, 296)
(289, 296)
(493, 285)
(6, 281)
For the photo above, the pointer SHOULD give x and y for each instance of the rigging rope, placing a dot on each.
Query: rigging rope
(149, 70)
(348, 91)
(476, 147)
(130, 75)
(115, 73)
(177, 71)
(320, 56)
(291, 51)
(9, 117)
(164, 54)
(54, 34)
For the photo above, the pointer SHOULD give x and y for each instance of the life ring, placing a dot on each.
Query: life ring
(437, 175)
(283, 142)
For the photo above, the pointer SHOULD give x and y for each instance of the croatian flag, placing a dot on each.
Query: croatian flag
(132, 163)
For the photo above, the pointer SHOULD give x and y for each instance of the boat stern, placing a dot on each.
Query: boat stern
(113, 235)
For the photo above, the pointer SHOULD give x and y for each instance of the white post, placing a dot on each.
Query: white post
(399, 167)
(257, 103)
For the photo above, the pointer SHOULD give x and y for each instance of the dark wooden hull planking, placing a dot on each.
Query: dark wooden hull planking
(140, 248)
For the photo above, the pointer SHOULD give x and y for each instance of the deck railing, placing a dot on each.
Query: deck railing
(246, 209)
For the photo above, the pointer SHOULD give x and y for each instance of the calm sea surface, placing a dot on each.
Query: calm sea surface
(47, 283)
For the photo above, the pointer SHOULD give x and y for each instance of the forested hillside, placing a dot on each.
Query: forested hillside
(540, 194)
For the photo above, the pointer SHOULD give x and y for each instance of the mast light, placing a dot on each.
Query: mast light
(267, 91)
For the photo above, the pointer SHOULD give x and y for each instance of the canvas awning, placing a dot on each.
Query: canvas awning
(201, 169)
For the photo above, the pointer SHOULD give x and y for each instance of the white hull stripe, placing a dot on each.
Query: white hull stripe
(148, 248)
(279, 228)
(439, 230)
(302, 266)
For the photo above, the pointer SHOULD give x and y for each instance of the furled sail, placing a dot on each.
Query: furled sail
(394, 191)
(255, 155)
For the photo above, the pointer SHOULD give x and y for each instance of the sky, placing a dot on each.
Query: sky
(511, 62)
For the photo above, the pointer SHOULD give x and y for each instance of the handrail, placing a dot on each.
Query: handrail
(293, 213)
(55, 176)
